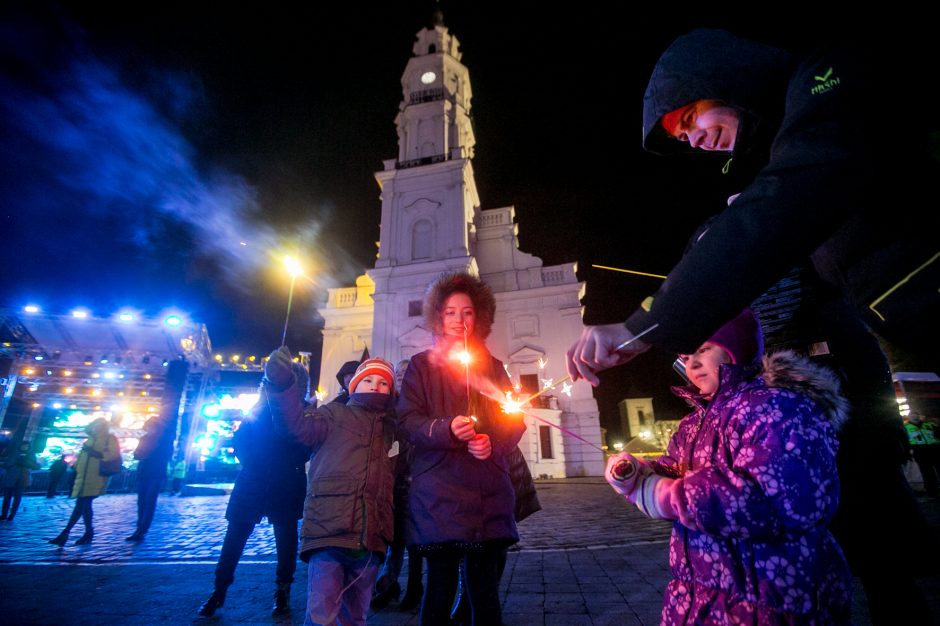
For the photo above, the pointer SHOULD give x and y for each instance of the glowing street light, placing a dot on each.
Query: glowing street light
(31, 308)
(173, 321)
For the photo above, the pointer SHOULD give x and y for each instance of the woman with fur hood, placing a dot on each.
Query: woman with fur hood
(461, 497)
(750, 480)
(100, 446)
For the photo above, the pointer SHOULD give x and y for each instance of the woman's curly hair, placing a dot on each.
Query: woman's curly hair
(449, 283)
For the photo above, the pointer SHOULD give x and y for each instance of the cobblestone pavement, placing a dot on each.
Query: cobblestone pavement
(586, 558)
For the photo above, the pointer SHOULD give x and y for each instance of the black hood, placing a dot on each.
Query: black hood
(708, 64)
(349, 367)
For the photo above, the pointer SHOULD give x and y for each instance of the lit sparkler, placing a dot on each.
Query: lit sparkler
(464, 357)
(547, 387)
(510, 405)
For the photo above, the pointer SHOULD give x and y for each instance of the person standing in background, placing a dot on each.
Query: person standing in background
(16, 479)
(153, 453)
(271, 484)
(56, 472)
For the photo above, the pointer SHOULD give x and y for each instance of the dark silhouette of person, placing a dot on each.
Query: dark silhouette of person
(16, 478)
(56, 472)
(344, 375)
(387, 587)
(153, 453)
(272, 483)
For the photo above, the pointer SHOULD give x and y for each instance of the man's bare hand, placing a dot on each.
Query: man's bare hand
(596, 350)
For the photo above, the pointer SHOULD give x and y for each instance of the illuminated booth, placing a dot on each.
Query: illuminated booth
(60, 372)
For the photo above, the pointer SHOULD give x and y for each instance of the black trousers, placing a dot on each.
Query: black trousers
(482, 571)
(236, 536)
(14, 495)
(84, 511)
(148, 489)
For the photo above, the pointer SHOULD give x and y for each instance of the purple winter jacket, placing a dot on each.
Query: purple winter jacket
(757, 470)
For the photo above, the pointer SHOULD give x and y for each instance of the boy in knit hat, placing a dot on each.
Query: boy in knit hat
(348, 511)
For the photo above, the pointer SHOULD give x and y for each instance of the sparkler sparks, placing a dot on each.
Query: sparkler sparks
(512, 406)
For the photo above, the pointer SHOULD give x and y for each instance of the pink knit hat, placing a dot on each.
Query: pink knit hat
(741, 338)
(372, 367)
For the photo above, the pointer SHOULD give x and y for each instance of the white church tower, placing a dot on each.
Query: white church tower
(431, 223)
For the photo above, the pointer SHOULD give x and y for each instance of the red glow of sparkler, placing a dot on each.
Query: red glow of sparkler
(511, 405)
(518, 406)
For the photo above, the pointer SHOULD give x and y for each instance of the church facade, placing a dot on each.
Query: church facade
(431, 222)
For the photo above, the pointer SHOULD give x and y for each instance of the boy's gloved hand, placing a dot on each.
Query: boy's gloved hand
(278, 370)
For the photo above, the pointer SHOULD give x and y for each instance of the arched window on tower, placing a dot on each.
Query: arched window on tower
(432, 49)
(421, 240)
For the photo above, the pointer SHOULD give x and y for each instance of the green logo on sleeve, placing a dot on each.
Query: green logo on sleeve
(824, 83)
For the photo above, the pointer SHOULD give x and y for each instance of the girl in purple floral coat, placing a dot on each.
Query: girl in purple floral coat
(750, 480)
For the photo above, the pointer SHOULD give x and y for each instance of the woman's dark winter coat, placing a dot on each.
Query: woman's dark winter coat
(456, 498)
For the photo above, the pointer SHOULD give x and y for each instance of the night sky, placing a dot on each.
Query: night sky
(158, 154)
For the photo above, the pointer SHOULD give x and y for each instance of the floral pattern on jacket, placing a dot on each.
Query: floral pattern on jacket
(756, 470)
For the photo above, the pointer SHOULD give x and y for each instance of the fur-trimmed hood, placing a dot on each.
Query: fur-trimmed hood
(784, 370)
(447, 284)
(788, 370)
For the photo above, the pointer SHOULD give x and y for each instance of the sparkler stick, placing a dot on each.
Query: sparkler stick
(516, 407)
(547, 388)
(466, 366)
(294, 268)
(565, 430)
(617, 269)
(629, 341)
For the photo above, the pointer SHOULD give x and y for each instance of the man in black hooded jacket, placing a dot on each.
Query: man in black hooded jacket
(830, 170)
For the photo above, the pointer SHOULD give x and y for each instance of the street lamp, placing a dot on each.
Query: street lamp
(294, 269)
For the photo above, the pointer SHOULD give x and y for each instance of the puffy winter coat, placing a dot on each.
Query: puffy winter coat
(454, 497)
(349, 480)
(88, 481)
(755, 468)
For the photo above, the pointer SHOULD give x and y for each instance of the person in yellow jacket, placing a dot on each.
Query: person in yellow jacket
(101, 445)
